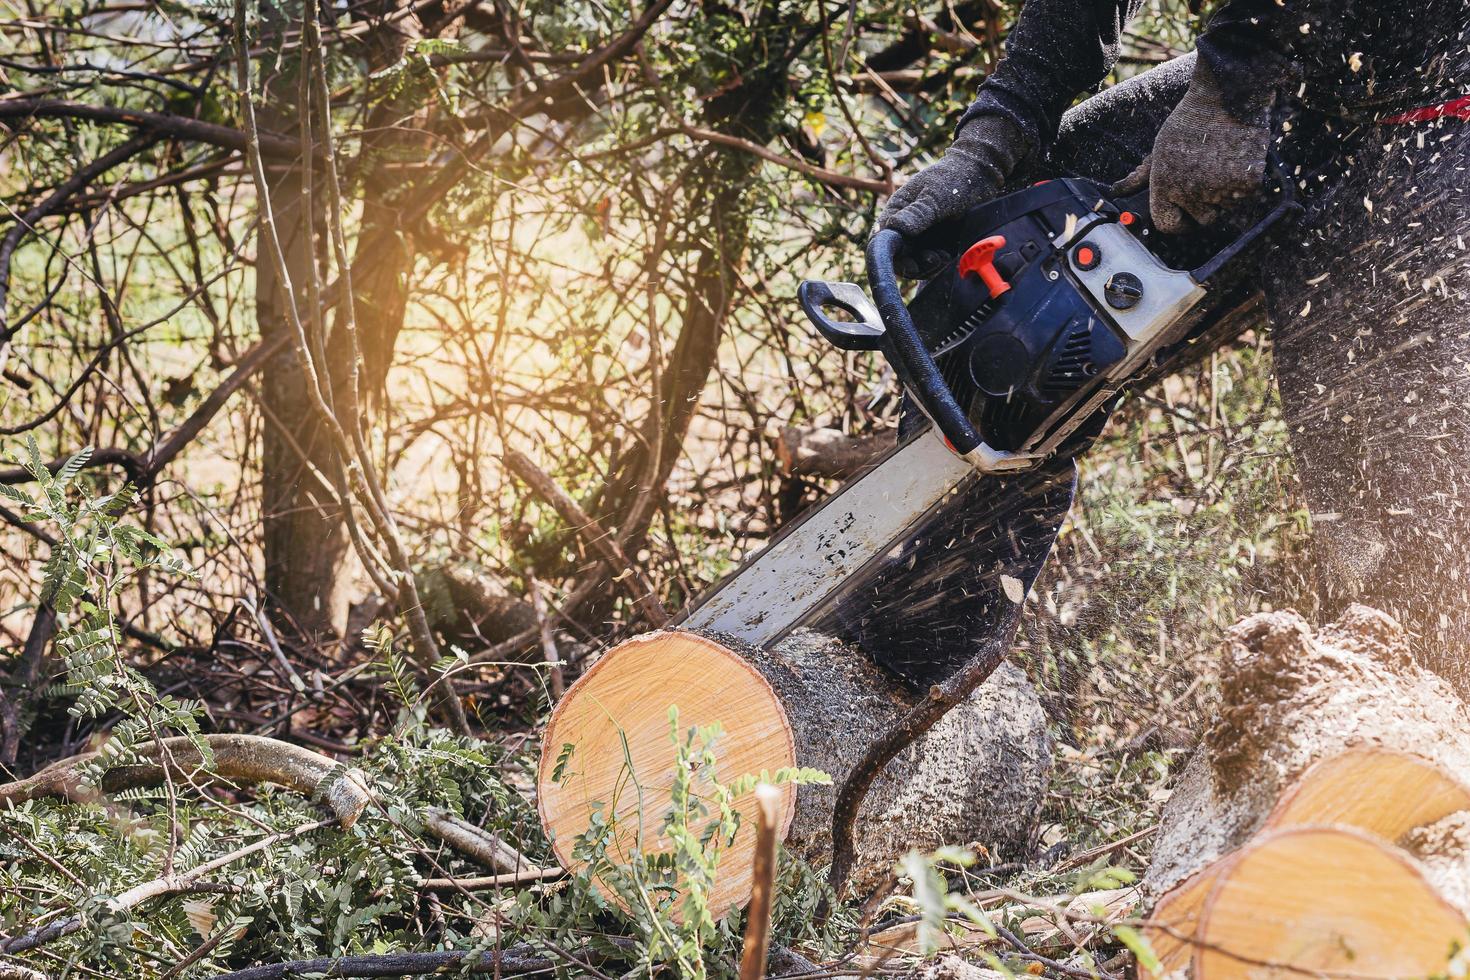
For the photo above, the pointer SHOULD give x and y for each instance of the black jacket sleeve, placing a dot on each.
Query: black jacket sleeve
(1056, 49)
(1060, 48)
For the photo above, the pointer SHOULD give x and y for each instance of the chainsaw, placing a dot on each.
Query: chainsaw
(1011, 359)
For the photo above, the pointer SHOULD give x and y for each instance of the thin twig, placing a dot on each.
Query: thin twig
(763, 884)
(528, 877)
(555, 678)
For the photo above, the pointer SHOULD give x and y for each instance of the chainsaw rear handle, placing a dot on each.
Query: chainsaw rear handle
(864, 328)
(1287, 206)
(905, 349)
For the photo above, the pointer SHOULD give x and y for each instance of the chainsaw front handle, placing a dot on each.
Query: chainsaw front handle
(1286, 207)
(905, 349)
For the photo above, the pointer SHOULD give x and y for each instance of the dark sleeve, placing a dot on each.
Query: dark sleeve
(1056, 50)
(1246, 45)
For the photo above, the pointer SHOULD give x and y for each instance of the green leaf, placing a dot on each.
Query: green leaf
(1140, 947)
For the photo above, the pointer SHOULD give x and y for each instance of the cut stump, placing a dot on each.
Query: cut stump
(1379, 791)
(1330, 745)
(1326, 899)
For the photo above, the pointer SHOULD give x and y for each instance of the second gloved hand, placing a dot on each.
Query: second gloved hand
(1204, 159)
(972, 171)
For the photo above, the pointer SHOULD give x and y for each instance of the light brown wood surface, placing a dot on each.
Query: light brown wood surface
(1326, 899)
(616, 717)
(1175, 922)
(1382, 792)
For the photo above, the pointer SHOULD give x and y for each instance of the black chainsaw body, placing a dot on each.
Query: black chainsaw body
(1018, 356)
(1058, 298)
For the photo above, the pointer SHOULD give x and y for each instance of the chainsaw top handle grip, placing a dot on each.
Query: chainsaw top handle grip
(1287, 206)
(905, 349)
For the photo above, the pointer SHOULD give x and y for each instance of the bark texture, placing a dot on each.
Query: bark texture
(305, 542)
(1443, 851)
(829, 454)
(1292, 697)
(977, 777)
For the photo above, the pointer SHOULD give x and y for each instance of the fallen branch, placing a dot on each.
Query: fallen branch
(530, 876)
(14, 971)
(596, 537)
(921, 718)
(509, 962)
(238, 758)
(478, 844)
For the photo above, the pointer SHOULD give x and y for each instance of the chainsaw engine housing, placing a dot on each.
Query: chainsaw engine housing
(1083, 289)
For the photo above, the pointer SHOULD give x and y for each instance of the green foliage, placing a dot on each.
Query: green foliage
(331, 891)
(936, 903)
(94, 557)
(338, 892)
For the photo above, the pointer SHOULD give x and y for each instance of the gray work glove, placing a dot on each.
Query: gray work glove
(972, 171)
(1205, 158)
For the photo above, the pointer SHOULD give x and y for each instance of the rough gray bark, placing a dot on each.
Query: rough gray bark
(1291, 697)
(977, 777)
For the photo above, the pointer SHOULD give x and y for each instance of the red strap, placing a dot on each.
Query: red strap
(1453, 109)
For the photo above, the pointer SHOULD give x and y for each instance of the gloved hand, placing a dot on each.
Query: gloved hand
(971, 172)
(1204, 159)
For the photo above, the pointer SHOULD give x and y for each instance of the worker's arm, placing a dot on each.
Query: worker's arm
(1057, 49)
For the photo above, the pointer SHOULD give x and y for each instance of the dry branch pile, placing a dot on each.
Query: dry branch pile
(1321, 825)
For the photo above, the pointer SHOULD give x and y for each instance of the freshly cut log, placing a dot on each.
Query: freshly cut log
(1338, 727)
(1381, 791)
(1326, 899)
(608, 750)
(1290, 698)
(977, 776)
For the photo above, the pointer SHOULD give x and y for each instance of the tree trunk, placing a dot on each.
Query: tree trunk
(311, 569)
(1323, 812)
(977, 777)
(305, 540)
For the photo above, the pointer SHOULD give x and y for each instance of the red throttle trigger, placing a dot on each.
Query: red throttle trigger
(980, 258)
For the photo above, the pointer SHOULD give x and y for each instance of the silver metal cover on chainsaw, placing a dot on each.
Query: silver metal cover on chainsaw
(768, 596)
